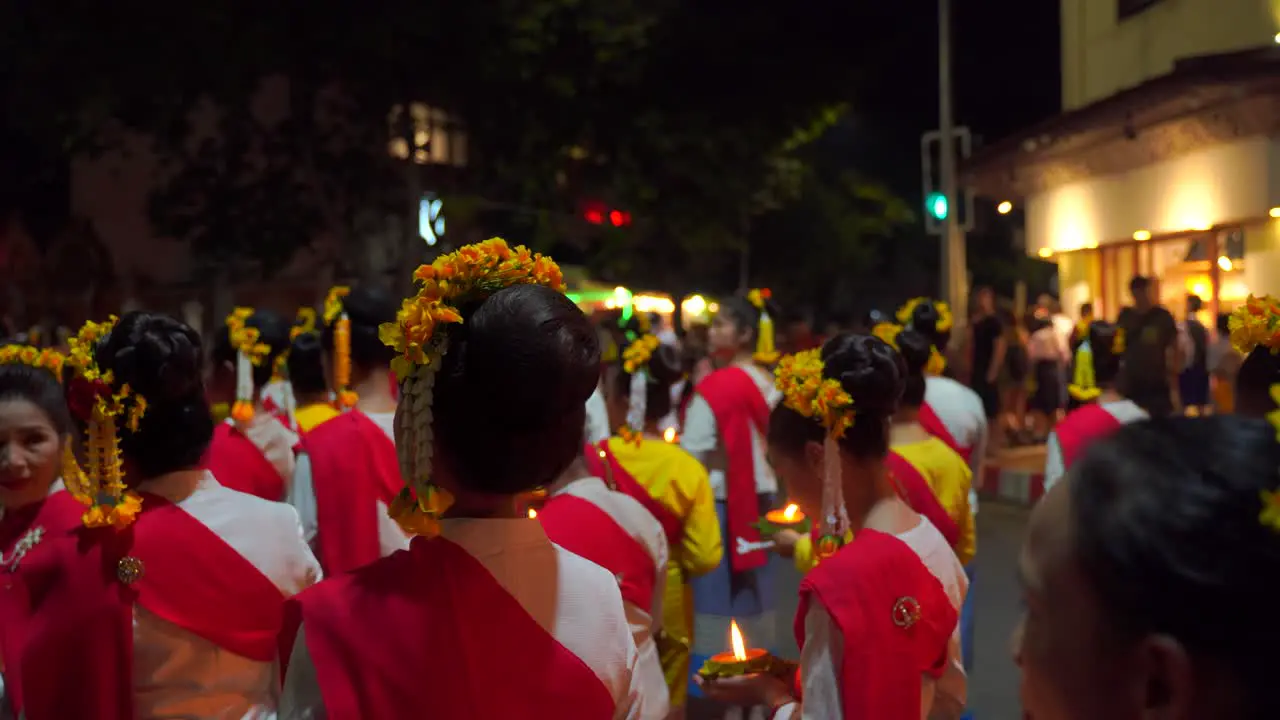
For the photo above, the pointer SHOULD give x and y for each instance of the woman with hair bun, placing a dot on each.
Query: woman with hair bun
(1103, 409)
(35, 431)
(495, 365)
(877, 616)
(252, 451)
(1134, 571)
(184, 621)
(725, 427)
(347, 472)
(670, 483)
(309, 386)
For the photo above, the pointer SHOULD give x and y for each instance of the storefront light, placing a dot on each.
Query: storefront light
(1004, 208)
(1046, 253)
(1275, 212)
(1224, 262)
(1141, 235)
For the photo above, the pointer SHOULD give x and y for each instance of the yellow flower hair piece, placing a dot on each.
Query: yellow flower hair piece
(766, 346)
(251, 352)
(805, 390)
(1256, 323)
(335, 316)
(104, 409)
(887, 332)
(472, 273)
(635, 362)
(43, 358)
(937, 362)
(908, 309)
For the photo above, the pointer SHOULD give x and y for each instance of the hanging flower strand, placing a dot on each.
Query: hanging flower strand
(470, 274)
(335, 316)
(251, 352)
(90, 397)
(635, 362)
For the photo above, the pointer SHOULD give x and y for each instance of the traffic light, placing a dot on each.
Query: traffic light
(937, 206)
(597, 213)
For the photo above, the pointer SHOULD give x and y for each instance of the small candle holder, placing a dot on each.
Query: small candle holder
(788, 518)
(742, 660)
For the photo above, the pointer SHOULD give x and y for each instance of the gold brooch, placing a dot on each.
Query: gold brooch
(129, 569)
(906, 612)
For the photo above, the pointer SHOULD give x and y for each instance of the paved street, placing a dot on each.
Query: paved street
(993, 685)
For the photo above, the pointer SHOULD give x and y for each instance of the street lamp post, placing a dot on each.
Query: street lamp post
(955, 275)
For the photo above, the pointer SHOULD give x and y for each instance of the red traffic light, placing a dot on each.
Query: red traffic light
(618, 218)
(593, 216)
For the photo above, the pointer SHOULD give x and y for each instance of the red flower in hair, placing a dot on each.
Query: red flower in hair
(83, 394)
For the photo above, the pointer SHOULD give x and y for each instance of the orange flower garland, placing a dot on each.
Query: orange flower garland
(335, 316)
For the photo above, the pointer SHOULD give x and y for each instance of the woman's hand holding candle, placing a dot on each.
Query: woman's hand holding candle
(784, 542)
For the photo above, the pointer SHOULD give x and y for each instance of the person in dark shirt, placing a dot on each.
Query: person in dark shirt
(1149, 372)
(1193, 383)
(986, 351)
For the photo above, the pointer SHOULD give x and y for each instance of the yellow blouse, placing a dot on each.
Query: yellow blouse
(312, 415)
(950, 478)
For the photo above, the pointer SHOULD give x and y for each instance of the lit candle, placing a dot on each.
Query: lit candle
(741, 660)
(788, 518)
(670, 435)
(532, 513)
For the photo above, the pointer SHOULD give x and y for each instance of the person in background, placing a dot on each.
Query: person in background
(725, 428)
(310, 388)
(1149, 367)
(1224, 363)
(1014, 380)
(696, 362)
(1102, 409)
(253, 451)
(1080, 333)
(1134, 571)
(1255, 334)
(986, 347)
(1193, 381)
(671, 484)
(1047, 355)
(800, 335)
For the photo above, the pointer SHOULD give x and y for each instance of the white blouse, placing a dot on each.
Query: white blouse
(1124, 411)
(640, 524)
(700, 435)
(585, 615)
(180, 675)
(276, 442)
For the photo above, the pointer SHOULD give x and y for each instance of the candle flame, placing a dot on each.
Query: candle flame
(532, 513)
(790, 513)
(669, 435)
(735, 637)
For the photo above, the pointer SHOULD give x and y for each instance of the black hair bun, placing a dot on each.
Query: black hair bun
(915, 349)
(368, 306)
(664, 366)
(868, 369)
(157, 356)
(924, 318)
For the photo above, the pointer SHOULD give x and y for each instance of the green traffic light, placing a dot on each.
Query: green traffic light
(937, 205)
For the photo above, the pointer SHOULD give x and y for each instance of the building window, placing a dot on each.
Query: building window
(1127, 8)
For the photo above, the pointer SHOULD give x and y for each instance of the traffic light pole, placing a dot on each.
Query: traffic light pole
(954, 271)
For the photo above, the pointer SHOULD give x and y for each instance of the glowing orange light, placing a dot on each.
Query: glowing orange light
(790, 513)
(532, 513)
(669, 435)
(735, 638)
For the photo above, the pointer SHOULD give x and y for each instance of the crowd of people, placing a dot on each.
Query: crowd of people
(476, 502)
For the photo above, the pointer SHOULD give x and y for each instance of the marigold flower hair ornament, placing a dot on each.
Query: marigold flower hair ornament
(43, 358)
(470, 274)
(635, 362)
(908, 311)
(90, 397)
(251, 352)
(888, 332)
(804, 389)
(766, 349)
(335, 316)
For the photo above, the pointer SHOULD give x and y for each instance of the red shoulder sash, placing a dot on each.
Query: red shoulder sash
(933, 425)
(738, 406)
(57, 514)
(582, 528)
(83, 598)
(353, 466)
(916, 491)
(602, 463)
(238, 464)
(1081, 427)
(862, 587)
(425, 625)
